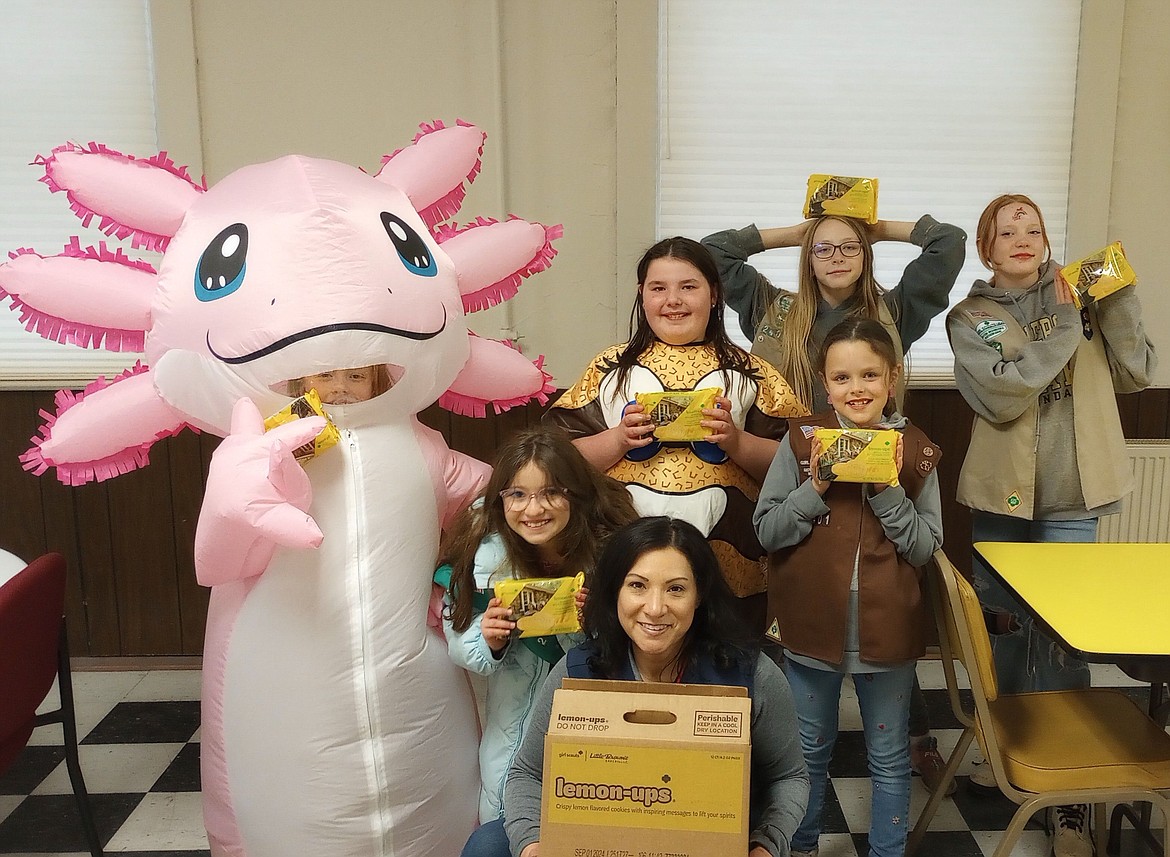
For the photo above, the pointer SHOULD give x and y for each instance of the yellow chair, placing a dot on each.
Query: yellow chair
(1048, 749)
(948, 652)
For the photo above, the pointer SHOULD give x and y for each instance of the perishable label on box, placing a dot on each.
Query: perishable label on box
(542, 606)
(844, 196)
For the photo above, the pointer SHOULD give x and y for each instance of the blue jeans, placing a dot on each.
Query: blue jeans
(488, 840)
(1026, 659)
(884, 699)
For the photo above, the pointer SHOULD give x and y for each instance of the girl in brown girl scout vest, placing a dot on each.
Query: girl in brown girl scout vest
(844, 578)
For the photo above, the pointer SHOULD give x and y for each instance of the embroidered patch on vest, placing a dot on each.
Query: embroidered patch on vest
(774, 630)
(926, 466)
(1013, 501)
(808, 431)
(990, 329)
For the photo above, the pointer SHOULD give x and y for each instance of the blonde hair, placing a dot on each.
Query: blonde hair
(796, 367)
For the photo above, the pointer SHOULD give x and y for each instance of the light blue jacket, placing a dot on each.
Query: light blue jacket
(513, 680)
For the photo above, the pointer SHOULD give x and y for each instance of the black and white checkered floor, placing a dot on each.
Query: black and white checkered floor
(140, 755)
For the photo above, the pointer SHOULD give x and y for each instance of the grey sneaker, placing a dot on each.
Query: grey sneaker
(816, 850)
(1070, 831)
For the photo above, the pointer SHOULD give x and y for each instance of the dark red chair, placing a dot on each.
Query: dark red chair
(33, 651)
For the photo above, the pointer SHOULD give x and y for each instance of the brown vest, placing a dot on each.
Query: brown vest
(808, 583)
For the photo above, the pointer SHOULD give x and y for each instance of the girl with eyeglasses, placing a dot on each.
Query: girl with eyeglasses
(836, 280)
(678, 342)
(545, 512)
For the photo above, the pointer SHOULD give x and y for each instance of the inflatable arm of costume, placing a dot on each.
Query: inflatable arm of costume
(257, 497)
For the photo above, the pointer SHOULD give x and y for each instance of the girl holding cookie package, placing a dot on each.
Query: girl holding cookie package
(544, 513)
(1047, 454)
(844, 575)
(836, 280)
(678, 344)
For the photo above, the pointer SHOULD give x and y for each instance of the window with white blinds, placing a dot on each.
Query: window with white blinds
(70, 72)
(948, 103)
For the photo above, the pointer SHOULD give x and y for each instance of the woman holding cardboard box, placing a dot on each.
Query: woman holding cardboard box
(659, 610)
(678, 344)
(545, 513)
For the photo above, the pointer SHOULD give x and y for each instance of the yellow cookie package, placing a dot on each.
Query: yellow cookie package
(858, 455)
(1096, 276)
(845, 196)
(542, 606)
(308, 405)
(676, 415)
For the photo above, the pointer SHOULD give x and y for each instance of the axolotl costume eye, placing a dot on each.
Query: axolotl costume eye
(412, 250)
(223, 264)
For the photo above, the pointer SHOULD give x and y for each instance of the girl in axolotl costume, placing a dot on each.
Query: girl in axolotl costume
(333, 721)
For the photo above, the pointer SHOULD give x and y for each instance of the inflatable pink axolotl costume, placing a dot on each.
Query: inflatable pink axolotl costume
(333, 721)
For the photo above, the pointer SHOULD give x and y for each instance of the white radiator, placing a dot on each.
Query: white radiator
(1146, 517)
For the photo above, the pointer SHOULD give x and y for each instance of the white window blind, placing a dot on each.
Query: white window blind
(948, 103)
(68, 72)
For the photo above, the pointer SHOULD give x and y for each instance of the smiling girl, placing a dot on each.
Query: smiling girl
(1047, 454)
(678, 343)
(545, 512)
(844, 578)
(836, 281)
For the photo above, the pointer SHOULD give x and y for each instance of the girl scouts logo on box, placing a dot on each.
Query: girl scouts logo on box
(724, 724)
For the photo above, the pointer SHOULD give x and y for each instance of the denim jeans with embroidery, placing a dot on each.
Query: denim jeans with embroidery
(884, 700)
(1027, 659)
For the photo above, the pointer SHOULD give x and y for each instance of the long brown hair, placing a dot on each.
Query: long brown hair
(598, 505)
(795, 366)
(729, 355)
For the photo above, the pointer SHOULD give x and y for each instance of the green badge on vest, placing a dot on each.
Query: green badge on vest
(1013, 501)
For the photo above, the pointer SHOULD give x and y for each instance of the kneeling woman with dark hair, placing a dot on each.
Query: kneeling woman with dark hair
(660, 610)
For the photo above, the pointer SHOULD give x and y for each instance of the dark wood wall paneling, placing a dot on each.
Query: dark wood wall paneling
(129, 541)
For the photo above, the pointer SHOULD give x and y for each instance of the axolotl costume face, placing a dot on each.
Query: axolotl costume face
(333, 720)
(301, 266)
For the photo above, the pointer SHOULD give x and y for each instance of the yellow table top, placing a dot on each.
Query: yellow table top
(1102, 600)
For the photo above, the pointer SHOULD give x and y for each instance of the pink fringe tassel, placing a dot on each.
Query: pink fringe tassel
(81, 473)
(139, 239)
(474, 406)
(67, 331)
(506, 289)
(449, 204)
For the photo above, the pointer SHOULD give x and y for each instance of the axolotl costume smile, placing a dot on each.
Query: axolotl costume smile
(333, 720)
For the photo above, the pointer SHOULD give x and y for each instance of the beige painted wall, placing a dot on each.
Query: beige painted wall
(567, 93)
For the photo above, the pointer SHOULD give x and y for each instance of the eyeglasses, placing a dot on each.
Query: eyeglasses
(825, 250)
(550, 497)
